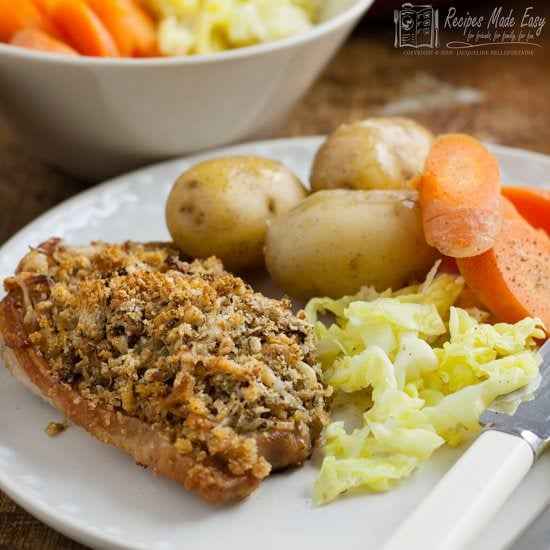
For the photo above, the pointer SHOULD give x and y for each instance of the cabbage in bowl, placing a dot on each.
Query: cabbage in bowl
(207, 26)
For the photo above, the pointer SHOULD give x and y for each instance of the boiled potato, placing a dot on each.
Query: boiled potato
(377, 153)
(220, 207)
(337, 241)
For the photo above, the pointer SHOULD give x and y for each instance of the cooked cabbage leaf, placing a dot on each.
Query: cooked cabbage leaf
(432, 369)
(207, 26)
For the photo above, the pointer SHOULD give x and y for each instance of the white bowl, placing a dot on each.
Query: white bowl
(98, 117)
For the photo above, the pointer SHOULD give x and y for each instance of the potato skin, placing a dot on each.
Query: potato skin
(220, 207)
(377, 153)
(337, 241)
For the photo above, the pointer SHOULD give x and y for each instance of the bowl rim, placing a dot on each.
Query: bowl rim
(354, 11)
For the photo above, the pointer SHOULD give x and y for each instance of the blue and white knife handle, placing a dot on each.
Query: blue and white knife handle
(469, 495)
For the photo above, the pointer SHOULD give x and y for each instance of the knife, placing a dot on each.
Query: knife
(470, 494)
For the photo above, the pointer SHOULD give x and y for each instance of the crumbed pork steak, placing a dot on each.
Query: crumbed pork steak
(180, 364)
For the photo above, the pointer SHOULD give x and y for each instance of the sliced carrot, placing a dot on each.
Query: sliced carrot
(131, 27)
(16, 15)
(84, 31)
(460, 196)
(44, 6)
(448, 265)
(45, 24)
(513, 278)
(35, 39)
(509, 211)
(532, 203)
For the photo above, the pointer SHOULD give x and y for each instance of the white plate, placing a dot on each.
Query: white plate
(95, 494)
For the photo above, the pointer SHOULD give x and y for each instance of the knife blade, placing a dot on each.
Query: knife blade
(469, 495)
(531, 421)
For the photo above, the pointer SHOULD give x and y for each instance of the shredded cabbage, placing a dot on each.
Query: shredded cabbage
(432, 369)
(206, 26)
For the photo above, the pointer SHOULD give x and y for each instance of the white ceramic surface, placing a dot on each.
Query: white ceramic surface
(99, 117)
(97, 495)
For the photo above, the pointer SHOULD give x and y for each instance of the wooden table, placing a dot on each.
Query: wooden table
(496, 98)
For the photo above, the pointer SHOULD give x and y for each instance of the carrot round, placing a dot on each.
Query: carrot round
(43, 6)
(131, 27)
(460, 196)
(509, 211)
(84, 31)
(513, 278)
(532, 203)
(16, 15)
(35, 39)
(448, 265)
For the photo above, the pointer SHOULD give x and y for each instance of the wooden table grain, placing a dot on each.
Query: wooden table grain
(499, 99)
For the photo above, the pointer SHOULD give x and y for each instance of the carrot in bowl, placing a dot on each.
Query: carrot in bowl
(512, 279)
(35, 39)
(131, 27)
(44, 6)
(532, 203)
(460, 196)
(16, 15)
(84, 31)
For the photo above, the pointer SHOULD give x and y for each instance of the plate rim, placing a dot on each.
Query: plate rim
(91, 535)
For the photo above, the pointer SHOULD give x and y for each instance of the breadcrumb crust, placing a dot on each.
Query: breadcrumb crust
(224, 374)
